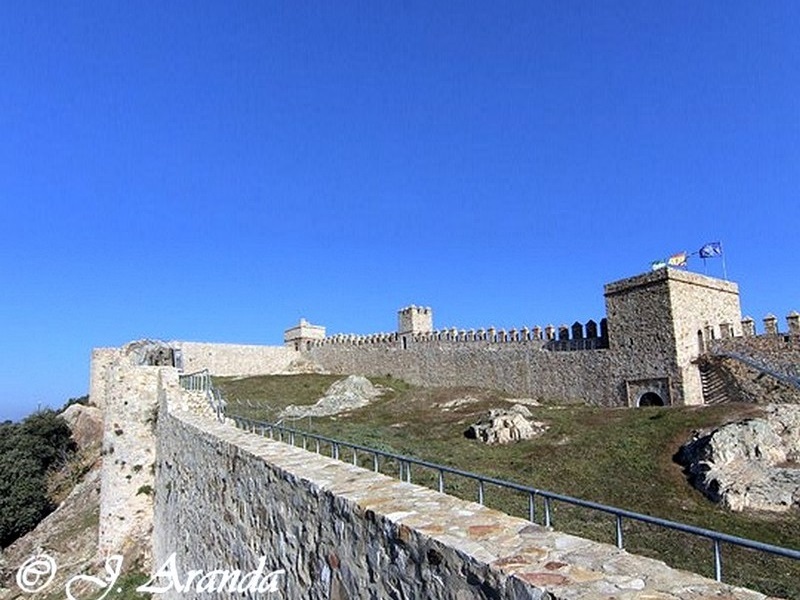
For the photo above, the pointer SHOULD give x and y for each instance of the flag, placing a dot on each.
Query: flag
(677, 260)
(711, 250)
(657, 264)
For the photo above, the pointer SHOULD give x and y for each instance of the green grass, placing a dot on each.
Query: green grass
(620, 457)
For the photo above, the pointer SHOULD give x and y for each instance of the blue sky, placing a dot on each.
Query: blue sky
(215, 171)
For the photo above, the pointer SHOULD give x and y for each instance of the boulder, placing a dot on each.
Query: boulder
(86, 424)
(752, 464)
(501, 426)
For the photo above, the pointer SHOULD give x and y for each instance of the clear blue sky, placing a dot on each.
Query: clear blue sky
(215, 171)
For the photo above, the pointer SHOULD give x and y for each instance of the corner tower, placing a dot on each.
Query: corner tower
(659, 323)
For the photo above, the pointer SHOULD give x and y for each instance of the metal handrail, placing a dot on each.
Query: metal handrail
(750, 362)
(200, 381)
(405, 463)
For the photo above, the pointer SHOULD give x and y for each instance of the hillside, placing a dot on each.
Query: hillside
(69, 534)
(620, 457)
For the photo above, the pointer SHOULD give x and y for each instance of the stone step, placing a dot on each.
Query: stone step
(715, 389)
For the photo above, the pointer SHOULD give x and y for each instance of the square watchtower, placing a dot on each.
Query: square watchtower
(303, 335)
(659, 323)
(413, 320)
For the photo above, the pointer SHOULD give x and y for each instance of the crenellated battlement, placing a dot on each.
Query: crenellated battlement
(770, 323)
(578, 336)
(645, 349)
(712, 333)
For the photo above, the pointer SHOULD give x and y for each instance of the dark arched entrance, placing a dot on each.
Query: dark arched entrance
(650, 399)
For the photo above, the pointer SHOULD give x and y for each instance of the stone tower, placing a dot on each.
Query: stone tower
(303, 335)
(412, 320)
(659, 323)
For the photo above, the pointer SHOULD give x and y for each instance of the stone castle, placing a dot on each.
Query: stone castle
(646, 350)
(176, 479)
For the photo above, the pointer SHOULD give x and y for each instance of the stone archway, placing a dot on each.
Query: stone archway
(650, 399)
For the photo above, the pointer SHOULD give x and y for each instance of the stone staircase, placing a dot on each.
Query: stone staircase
(715, 388)
(735, 378)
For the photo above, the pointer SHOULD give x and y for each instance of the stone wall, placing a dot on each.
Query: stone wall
(521, 369)
(655, 329)
(743, 383)
(225, 498)
(102, 360)
(129, 396)
(235, 359)
(779, 352)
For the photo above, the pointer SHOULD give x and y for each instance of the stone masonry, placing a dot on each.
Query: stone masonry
(657, 325)
(226, 497)
(644, 351)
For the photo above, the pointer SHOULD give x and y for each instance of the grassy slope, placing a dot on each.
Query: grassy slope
(620, 457)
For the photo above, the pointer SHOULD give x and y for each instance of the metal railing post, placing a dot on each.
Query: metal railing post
(532, 507)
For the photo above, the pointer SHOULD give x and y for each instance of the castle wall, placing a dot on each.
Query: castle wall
(130, 402)
(235, 359)
(657, 325)
(520, 369)
(102, 360)
(779, 352)
(226, 498)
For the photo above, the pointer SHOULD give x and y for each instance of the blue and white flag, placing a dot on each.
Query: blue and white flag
(711, 250)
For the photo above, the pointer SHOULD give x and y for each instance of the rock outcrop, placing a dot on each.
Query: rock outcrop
(86, 424)
(753, 464)
(501, 426)
(346, 394)
(68, 535)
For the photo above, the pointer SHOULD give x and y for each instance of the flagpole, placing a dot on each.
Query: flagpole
(724, 269)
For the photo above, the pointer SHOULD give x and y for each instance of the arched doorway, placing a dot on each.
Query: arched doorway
(650, 399)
